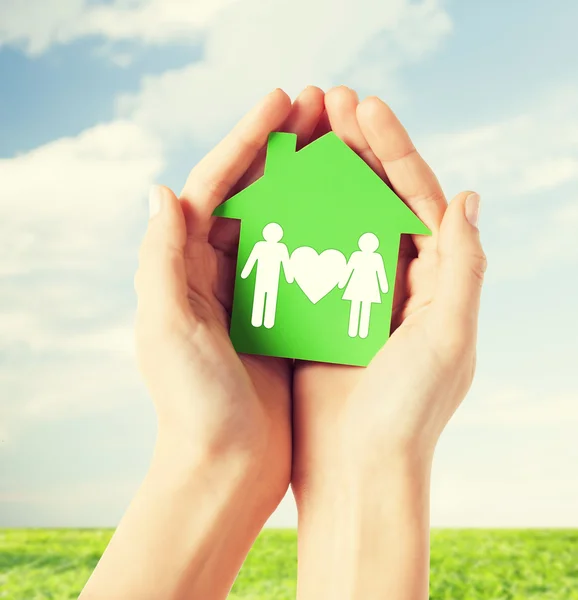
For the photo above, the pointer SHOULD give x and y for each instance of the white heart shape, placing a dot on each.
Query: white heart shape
(317, 274)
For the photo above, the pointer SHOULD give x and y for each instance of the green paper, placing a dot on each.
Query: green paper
(317, 257)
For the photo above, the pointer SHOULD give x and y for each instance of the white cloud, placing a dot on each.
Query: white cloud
(471, 499)
(557, 239)
(505, 459)
(527, 153)
(36, 25)
(255, 46)
(550, 173)
(37, 332)
(518, 407)
(526, 168)
(102, 382)
(68, 208)
(64, 203)
(67, 228)
(98, 501)
(57, 371)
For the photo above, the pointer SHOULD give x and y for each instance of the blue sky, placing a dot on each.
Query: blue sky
(99, 100)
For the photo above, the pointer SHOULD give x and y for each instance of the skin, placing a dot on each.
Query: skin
(233, 430)
(365, 437)
(222, 460)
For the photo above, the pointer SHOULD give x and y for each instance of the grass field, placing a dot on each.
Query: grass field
(466, 564)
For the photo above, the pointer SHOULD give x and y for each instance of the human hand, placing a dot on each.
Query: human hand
(223, 453)
(364, 437)
(404, 398)
(211, 403)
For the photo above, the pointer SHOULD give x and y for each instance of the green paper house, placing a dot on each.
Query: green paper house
(318, 249)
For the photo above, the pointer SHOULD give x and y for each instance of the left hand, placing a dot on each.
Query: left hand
(222, 460)
(211, 403)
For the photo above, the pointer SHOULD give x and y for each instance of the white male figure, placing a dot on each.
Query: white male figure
(268, 256)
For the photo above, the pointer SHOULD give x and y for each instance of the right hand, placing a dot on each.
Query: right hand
(400, 403)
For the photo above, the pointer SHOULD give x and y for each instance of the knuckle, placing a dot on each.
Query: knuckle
(208, 187)
(433, 197)
(453, 340)
(455, 345)
(249, 143)
(214, 188)
(479, 266)
(158, 252)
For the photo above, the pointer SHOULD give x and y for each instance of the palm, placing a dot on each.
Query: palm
(210, 272)
(250, 394)
(414, 282)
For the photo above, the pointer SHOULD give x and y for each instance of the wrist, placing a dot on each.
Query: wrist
(361, 475)
(173, 532)
(370, 525)
(182, 450)
(237, 474)
(397, 469)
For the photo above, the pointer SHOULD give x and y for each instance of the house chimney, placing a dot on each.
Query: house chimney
(279, 147)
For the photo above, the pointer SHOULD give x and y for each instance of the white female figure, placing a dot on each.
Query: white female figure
(366, 280)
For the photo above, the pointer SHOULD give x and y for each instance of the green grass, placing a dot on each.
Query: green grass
(466, 564)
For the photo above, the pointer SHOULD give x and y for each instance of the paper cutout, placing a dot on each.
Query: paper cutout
(268, 256)
(366, 280)
(363, 277)
(317, 255)
(317, 274)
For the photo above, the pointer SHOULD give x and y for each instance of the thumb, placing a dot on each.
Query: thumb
(458, 289)
(160, 281)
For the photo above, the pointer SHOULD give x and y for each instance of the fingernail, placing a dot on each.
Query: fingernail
(473, 209)
(155, 199)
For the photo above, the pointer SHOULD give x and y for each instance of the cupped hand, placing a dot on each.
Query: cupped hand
(402, 401)
(209, 400)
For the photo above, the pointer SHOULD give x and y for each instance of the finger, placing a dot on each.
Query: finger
(302, 120)
(410, 176)
(341, 105)
(211, 180)
(160, 281)
(322, 127)
(305, 114)
(462, 264)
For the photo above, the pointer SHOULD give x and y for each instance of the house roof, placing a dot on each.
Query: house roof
(325, 175)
